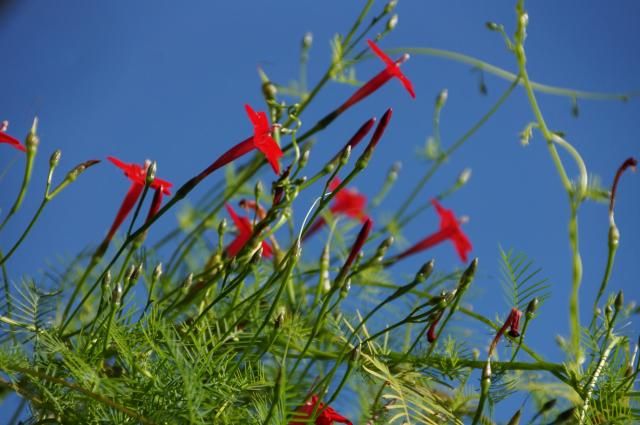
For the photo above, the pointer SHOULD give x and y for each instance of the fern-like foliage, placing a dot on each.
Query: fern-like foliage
(520, 281)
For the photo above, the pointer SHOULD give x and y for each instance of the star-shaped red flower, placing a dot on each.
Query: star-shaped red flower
(392, 70)
(245, 230)
(327, 417)
(347, 202)
(262, 139)
(449, 229)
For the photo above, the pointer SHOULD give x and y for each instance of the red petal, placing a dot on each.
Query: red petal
(5, 138)
(155, 204)
(369, 87)
(242, 223)
(271, 151)
(267, 251)
(382, 55)
(406, 83)
(127, 205)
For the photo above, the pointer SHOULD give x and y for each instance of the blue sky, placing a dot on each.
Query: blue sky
(167, 80)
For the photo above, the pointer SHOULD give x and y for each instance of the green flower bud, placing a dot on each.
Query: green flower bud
(151, 172)
(307, 40)
(392, 22)
(441, 99)
(157, 272)
(55, 158)
(388, 8)
(619, 302)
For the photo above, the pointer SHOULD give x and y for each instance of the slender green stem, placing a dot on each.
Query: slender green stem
(455, 146)
(25, 232)
(509, 76)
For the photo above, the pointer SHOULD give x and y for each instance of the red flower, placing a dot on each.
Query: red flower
(137, 174)
(5, 138)
(431, 333)
(347, 202)
(327, 417)
(513, 323)
(260, 140)
(245, 230)
(392, 70)
(449, 229)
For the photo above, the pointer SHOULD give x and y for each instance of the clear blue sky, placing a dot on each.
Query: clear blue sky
(167, 80)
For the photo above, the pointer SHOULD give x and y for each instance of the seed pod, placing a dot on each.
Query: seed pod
(392, 22)
(532, 307)
(151, 173)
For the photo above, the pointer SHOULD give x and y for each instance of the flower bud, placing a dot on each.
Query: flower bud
(258, 189)
(187, 283)
(532, 307)
(344, 157)
(157, 272)
(106, 281)
(468, 274)
(222, 226)
(619, 302)
(151, 173)
(463, 177)
(33, 140)
(55, 158)
(425, 271)
(614, 236)
(392, 22)
(492, 26)
(441, 99)
(388, 8)
(269, 90)
(307, 40)
(116, 295)
(304, 159)
(515, 419)
(135, 274)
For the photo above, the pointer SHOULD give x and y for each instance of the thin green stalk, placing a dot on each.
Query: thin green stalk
(75, 387)
(509, 76)
(455, 146)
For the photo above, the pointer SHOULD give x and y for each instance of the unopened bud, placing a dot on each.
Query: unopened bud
(135, 274)
(354, 356)
(55, 158)
(475, 353)
(515, 419)
(258, 190)
(307, 40)
(468, 274)
(222, 226)
(304, 159)
(157, 272)
(383, 247)
(425, 271)
(492, 26)
(441, 99)
(33, 140)
(187, 283)
(269, 90)
(151, 172)
(532, 307)
(106, 281)
(344, 291)
(344, 157)
(116, 295)
(464, 177)
(392, 22)
(619, 302)
(388, 8)
(614, 236)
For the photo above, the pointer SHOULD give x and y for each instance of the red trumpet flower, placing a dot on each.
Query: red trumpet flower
(347, 202)
(449, 229)
(391, 71)
(327, 416)
(245, 230)
(138, 175)
(10, 140)
(513, 323)
(260, 140)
